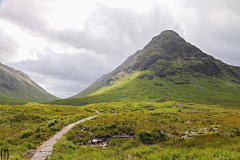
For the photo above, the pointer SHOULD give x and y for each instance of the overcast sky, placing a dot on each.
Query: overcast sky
(64, 46)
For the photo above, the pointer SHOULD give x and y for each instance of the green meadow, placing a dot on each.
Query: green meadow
(169, 130)
(166, 130)
(24, 128)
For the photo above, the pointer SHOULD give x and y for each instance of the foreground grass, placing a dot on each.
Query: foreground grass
(25, 127)
(168, 130)
(157, 151)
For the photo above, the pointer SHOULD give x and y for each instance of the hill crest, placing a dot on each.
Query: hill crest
(17, 88)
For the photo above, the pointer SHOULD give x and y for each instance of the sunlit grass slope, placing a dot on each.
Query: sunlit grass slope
(11, 100)
(205, 90)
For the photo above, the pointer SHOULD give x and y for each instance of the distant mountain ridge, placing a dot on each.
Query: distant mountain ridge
(167, 68)
(17, 88)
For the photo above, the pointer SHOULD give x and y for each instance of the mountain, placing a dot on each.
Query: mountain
(167, 68)
(17, 88)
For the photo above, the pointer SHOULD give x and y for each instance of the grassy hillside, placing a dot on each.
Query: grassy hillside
(17, 88)
(204, 90)
(11, 101)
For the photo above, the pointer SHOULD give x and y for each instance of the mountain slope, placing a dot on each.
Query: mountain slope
(168, 68)
(17, 88)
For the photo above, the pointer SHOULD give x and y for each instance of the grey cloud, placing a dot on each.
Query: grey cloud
(66, 67)
(30, 15)
(8, 47)
(117, 30)
(121, 28)
(65, 75)
(215, 29)
(64, 89)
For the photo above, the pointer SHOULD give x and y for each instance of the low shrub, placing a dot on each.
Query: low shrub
(37, 130)
(29, 145)
(13, 141)
(69, 144)
(2, 143)
(150, 137)
(37, 135)
(51, 123)
(26, 133)
(129, 144)
(56, 128)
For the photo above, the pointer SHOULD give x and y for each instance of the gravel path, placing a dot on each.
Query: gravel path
(46, 148)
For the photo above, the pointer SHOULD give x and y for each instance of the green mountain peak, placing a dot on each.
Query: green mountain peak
(169, 54)
(168, 35)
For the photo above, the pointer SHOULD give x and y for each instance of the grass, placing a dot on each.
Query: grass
(203, 90)
(166, 130)
(211, 132)
(11, 101)
(25, 127)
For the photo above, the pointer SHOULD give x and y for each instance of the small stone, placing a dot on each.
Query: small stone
(149, 104)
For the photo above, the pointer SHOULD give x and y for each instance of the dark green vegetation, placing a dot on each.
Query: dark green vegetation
(168, 68)
(25, 127)
(143, 130)
(17, 88)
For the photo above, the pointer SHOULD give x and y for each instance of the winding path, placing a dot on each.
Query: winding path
(46, 148)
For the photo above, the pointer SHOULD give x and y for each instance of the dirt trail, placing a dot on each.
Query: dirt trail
(46, 148)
